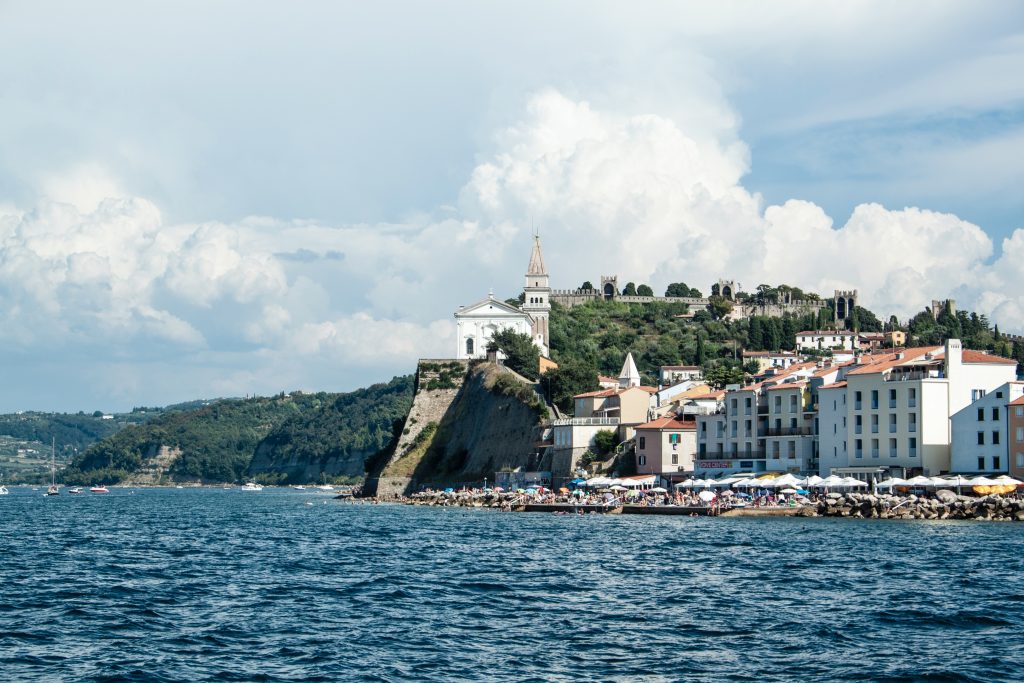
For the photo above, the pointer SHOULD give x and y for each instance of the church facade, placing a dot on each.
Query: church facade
(478, 323)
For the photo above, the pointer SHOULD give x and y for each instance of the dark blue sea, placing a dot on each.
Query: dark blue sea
(196, 585)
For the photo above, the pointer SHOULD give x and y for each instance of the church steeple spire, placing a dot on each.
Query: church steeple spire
(536, 266)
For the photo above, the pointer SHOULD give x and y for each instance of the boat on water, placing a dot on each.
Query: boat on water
(252, 486)
(326, 487)
(53, 490)
(99, 489)
(299, 488)
(3, 490)
(74, 490)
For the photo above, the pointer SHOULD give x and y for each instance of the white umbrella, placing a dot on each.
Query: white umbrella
(788, 480)
(658, 489)
(983, 481)
(813, 480)
(788, 490)
(889, 483)
(941, 483)
(618, 488)
(685, 484)
(706, 496)
(919, 480)
(745, 482)
(703, 483)
(1005, 480)
(850, 481)
(597, 481)
(831, 481)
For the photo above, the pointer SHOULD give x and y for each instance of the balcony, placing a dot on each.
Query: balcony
(789, 431)
(586, 422)
(912, 427)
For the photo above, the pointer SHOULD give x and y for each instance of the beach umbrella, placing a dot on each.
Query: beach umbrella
(813, 480)
(685, 484)
(889, 483)
(577, 482)
(706, 496)
(850, 481)
(726, 494)
(618, 488)
(499, 489)
(563, 490)
(632, 493)
(703, 483)
(658, 489)
(788, 490)
(449, 490)
(940, 482)
(609, 496)
(919, 480)
(1005, 480)
(578, 492)
(983, 481)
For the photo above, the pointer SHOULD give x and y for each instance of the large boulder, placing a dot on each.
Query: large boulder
(946, 496)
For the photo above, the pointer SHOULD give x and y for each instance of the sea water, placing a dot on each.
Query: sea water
(281, 585)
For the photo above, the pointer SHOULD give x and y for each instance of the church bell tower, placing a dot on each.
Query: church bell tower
(537, 296)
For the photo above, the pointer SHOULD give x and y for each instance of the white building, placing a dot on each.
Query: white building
(898, 406)
(666, 445)
(980, 434)
(820, 340)
(476, 324)
(673, 374)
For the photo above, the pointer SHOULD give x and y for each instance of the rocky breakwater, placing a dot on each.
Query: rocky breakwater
(944, 505)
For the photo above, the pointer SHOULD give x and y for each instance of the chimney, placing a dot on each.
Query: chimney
(954, 357)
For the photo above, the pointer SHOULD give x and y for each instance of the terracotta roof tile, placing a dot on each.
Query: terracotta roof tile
(669, 422)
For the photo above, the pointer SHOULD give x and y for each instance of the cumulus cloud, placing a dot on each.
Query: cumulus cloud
(261, 303)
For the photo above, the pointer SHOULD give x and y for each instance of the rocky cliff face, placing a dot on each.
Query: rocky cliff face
(455, 436)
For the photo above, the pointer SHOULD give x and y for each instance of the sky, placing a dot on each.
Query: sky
(203, 199)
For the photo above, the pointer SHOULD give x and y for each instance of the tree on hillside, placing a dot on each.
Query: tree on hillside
(701, 354)
(863, 320)
(680, 289)
(605, 442)
(644, 290)
(521, 354)
(571, 377)
(722, 375)
(629, 289)
(586, 285)
(719, 307)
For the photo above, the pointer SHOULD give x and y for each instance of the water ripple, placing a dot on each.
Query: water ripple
(228, 586)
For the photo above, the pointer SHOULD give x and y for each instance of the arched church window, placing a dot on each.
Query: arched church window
(469, 347)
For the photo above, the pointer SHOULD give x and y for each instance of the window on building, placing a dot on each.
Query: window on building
(858, 450)
(976, 394)
(892, 448)
(981, 438)
(874, 448)
(641, 460)
(892, 423)
(981, 462)
(912, 447)
(892, 398)
(995, 414)
(1019, 411)
(912, 398)
(857, 423)
(643, 442)
(1020, 434)
(675, 458)
(1020, 460)
(995, 438)
(981, 414)
(912, 422)
(999, 394)
(874, 424)
(469, 347)
(775, 450)
(673, 438)
(856, 400)
(995, 462)
(792, 449)
(874, 399)
(792, 403)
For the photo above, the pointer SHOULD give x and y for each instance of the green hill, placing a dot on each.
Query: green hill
(216, 441)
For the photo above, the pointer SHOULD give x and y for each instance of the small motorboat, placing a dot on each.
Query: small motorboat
(3, 490)
(74, 490)
(299, 488)
(53, 490)
(252, 486)
(99, 489)
(326, 487)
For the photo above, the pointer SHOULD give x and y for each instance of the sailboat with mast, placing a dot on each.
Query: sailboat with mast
(54, 490)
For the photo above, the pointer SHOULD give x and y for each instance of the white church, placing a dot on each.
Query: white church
(478, 322)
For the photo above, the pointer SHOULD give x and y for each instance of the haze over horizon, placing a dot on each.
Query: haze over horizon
(220, 199)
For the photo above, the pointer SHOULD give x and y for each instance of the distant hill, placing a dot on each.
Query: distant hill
(216, 441)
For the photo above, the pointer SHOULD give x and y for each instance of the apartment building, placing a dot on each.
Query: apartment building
(1015, 429)
(898, 407)
(819, 340)
(981, 437)
(666, 445)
